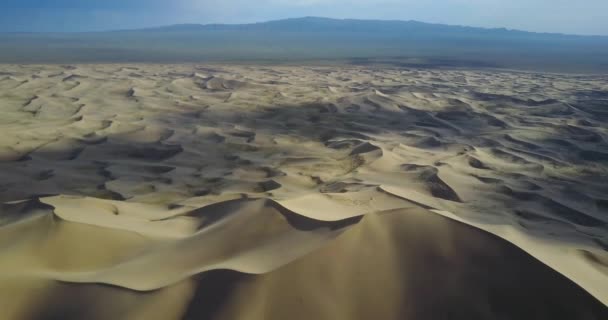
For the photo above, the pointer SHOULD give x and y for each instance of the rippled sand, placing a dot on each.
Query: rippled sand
(292, 192)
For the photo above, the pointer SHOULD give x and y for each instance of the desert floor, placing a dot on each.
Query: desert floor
(300, 192)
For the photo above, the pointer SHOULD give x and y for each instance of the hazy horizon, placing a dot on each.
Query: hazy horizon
(82, 16)
(152, 27)
(316, 39)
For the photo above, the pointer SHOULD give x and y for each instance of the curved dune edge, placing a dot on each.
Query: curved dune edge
(260, 169)
(254, 236)
(565, 257)
(401, 264)
(246, 235)
(395, 264)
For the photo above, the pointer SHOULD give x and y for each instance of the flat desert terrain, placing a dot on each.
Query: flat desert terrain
(300, 192)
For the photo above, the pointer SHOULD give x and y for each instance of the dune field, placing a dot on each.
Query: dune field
(300, 192)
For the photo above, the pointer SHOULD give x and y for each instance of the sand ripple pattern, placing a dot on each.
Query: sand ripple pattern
(265, 169)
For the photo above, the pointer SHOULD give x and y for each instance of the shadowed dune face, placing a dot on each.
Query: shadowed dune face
(168, 135)
(399, 264)
(429, 267)
(178, 171)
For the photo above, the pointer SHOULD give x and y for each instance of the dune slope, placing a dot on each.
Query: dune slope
(273, 192)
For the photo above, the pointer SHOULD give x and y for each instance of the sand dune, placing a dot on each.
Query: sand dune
(246, 192)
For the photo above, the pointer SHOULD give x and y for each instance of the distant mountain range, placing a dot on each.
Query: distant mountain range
(316, 40)
(319, 24)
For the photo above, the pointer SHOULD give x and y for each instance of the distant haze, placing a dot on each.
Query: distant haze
(589, 17)
(314, 40)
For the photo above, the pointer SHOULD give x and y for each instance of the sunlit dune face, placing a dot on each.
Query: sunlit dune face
(305, 192)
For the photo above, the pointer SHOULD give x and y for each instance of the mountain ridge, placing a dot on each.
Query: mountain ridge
(399, 43)
(320, 23)
(313, 23)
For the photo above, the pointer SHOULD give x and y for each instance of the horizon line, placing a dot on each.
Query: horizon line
(301, 18)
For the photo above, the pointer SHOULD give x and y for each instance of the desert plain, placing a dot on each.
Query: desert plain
(186, 191)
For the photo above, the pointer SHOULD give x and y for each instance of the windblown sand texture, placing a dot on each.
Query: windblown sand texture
(286, 192)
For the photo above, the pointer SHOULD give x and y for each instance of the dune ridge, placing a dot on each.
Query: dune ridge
(145, 191)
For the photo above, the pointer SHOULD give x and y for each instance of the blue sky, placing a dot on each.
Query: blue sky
(565, 16)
